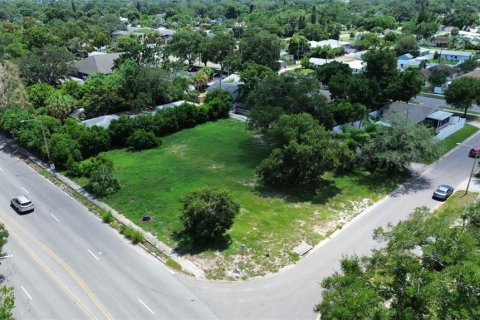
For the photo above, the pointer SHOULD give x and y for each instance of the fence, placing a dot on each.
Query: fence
(456, 123)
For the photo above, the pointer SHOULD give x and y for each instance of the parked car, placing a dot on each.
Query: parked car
(443, 192)
(475, 151)
(22, 204)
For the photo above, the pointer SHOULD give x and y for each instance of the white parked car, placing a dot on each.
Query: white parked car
(22, 204)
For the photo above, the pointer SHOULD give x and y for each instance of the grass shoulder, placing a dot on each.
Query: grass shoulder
(461, 135)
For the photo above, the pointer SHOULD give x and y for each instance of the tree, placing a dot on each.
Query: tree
(298, 46)
(467, 65)
(408, 85)
(200, 79)
(221, 46)
(357, 88)
(367, 40)
(63, 148)
(208, 213)
(141, 139)
(185, 44)
(394, 147)
(427, 260)
(303, 151)
(12, 91)
(59, 105)
(48, 65)
(102, 181)
(346, 112)
(326, 71)
(261, 48)
(287, 94)
(438, 77)
(251, 76)
(463, 92)
(407, 44)
(39, 93)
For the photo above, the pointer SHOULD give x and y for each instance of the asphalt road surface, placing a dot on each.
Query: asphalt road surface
(66, 264)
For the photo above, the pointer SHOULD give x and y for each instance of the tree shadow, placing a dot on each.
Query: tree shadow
(382, 182)
(187, 245)
(318, 193)
(412, 185)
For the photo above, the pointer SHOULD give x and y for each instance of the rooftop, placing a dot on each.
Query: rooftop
(103, 121)
(102, 63)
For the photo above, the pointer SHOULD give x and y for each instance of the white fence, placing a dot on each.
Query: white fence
(456, 123)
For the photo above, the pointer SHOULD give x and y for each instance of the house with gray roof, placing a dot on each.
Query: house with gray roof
(103, 121)
(444, 123)
(102, 63)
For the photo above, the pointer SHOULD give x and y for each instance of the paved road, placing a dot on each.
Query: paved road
(438, 103)
(66, 264)
(293, 293)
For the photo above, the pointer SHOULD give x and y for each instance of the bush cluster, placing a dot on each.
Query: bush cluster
(144, 127)
(134, 235)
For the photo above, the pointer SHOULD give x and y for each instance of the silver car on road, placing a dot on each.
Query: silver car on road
(22, 204)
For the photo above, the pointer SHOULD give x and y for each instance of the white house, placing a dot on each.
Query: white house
(357, 66)
(330, 42)
(452, 55)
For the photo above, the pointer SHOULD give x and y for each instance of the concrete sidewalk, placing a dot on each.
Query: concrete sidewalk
(165, 249)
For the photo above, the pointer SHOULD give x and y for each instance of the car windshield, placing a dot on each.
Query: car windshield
(441, 190)
(26, 203)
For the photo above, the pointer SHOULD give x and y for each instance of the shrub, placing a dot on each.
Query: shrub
(107, 216)
(91, 164)
(141, 139)
(208, 213)
(134, 235)
(103, 182)
(63, 148)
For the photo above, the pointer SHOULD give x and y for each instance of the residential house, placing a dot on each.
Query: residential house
(103, 121)
(452, 55)
(472, 74)
(407, 61)
(330, 42)
(231, 84)
(444, 123)
(98, 63)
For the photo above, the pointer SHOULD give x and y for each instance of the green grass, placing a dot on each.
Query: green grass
(271, 222)
(304, 72)
(444, 61)
(461, 135)
(432, 95)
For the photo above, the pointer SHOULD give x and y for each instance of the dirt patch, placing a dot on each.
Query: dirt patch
(179, 149)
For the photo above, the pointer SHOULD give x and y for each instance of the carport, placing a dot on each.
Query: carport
(439, 119)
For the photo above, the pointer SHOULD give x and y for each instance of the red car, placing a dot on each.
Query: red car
(475, 151)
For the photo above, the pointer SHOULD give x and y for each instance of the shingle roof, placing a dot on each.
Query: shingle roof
(98, 63)
(473, 74)
(414, 113)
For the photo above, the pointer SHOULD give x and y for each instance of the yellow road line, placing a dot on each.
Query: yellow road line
(50, 272)
(74, 275)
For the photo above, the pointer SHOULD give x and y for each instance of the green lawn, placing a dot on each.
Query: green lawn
(304, 72)
(432, 95)
(461, 135)
(271, 222)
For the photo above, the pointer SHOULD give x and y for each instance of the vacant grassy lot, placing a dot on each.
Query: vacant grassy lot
(271, 222)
